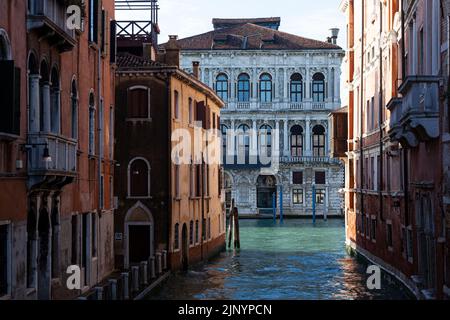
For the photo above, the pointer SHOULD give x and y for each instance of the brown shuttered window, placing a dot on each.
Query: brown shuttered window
(138, 103)
(10, 98)
(297, 177)
(320, 177)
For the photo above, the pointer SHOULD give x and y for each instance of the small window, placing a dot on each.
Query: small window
(209, 228)
(320, 177)
(196, 231)
(389, 235)
(191, 232)
(93, 20)
(297, 196)
(204, 229)
(320, 196)
(297, 177)
(176, 105)
(176, 238)
(91, 124)
(191, 111)
(94, 234)
(373, 231)
(138, 105)
(177, 181)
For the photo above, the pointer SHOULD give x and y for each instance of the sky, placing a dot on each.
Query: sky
(306, 18)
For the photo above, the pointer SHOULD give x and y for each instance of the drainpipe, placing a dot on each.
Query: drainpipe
(169, 162)
(100, 147)
(380, 119)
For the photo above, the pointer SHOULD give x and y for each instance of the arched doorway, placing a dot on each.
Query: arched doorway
(266, 190)
(184, 248)
(139, 235)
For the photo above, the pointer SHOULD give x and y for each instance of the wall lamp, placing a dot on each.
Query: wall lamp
(45, 156)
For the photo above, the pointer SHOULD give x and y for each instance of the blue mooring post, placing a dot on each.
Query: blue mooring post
(281, 204)
(274, 207)
(314, 203)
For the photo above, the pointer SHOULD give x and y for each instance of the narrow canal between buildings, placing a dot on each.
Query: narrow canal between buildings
(294, 260)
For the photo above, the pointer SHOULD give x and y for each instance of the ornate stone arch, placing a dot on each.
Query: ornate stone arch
(5, 46)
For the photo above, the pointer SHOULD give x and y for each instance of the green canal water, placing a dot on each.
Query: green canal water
(293, 260)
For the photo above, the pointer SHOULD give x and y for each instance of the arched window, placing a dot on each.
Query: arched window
(222, 86)
(191, 232)
(318, 87)
(176, 237)
(74, 107)
(265, 88)
(296, 141)
(139, 178)
(44, 97)
(55, 101)
(91, 124)
(243, 88)
(319, 141)
(5, 47)
(296, 87)
(243, 141)
(265, 140)
(138, 104)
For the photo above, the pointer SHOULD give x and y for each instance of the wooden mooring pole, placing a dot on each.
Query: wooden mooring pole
(233, 227)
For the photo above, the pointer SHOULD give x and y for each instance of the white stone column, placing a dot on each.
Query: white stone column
(308, 85)
(46, 106)
(308, 151)
(34, 103)
(232, 85)
(255, 79)
(285, 86)
(254, 140)
(285, 138)
(330, 84)
(337, 85)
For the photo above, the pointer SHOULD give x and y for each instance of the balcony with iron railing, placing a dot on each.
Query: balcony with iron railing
(416, 118)
(61, 157)
(309, 159)
(49, 19)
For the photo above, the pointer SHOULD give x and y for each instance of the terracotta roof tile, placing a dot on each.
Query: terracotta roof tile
(127, 60)
(249, 36)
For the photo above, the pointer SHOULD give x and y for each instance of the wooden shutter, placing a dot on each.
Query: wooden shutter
(10, 96)
(112, 42)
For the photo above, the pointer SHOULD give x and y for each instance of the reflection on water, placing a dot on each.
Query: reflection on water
(294, 260)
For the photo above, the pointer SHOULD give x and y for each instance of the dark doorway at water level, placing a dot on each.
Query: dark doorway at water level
(266, 191)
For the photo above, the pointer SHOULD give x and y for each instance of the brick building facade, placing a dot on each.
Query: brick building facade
(397, 66)
(56, 172)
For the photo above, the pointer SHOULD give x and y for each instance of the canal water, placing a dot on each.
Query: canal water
(293, 260)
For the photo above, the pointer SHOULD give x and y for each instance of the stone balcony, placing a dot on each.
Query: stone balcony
(63, 154)
(308, 159)
(415, 117)
(49, 19)
(281, 106)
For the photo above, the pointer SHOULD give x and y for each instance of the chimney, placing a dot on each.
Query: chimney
(334, 35)
(195, 68)
(172, 52)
